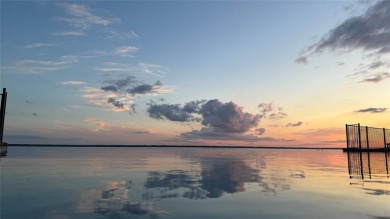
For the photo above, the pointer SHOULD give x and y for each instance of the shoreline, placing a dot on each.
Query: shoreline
(175, 146)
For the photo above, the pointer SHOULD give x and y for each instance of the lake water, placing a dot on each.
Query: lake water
(69, 182)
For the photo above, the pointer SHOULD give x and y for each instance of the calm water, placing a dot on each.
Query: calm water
(64, 183)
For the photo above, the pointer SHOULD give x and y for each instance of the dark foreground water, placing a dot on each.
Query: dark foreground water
(67, 183)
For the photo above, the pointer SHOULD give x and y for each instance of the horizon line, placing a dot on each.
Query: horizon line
(175, 146)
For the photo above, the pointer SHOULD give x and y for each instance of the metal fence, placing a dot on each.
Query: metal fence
(366, 138)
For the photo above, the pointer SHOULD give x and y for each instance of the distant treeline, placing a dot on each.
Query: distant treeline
(174, 146)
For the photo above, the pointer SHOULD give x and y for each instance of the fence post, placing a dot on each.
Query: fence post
(368, 146)
(360, 139)
(384, 138)
(3, 105)
(347, 134)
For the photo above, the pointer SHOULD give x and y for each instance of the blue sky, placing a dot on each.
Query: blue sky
(212, 72)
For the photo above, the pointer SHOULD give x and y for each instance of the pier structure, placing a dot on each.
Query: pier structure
(364, 138)
(3, 145)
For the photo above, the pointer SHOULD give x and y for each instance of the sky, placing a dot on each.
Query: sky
(237, 73)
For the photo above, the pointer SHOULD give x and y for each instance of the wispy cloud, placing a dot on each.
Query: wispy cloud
(296, 124)
(302, 60)
(37, 45)
(131, 86)
(151, 69)
(97, 125)
(122, 35)
(372, 110)
(368, 32)
(98, 98)
(144, 68)
(40, 66)
(260, 131)
(119, 95)
(376, 77)
(72, 82)
(210, 134)
(125, 50)
(81, 16)
(70, 33)
(270, 111)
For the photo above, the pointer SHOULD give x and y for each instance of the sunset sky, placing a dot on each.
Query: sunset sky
(257, 73)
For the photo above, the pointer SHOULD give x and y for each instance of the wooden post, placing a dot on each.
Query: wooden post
(387, 165)
(368, 144)
(361, 164)
(369, 164)
(360, 139)
(347, 134)
(2, 112)
(384, 138)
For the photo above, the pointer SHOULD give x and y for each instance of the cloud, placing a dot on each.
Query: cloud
(193, 106)
(372, 110)
(98, 98)
(97, 125)
(81, 16)
(145, 68)
(37, 45)
(70, 33)
(227, 117)
(175, 112)
(131, 86)
(116, 103)
(294, 124)
(222, 117)
(376, 78)
(72, 82)
(269, 111)
(119, 85)
(172, 112)
(145, 89)
(125, 50)
(122, 35)
(220, 120)
(151, 69)
(208, 133)
(378, 64)
(260, 131)
(302, 60)
(41, 66)
(119, 95)
(369, 31)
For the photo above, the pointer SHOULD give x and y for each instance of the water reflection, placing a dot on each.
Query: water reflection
(217, 176)
(368, 165)
(192, 183)
(370, 170)
(118, 202)
(204, 177)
